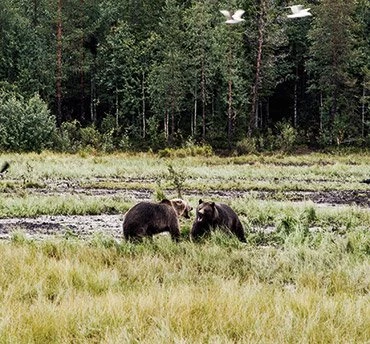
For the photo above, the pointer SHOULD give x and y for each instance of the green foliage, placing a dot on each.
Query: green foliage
(72, 137)
(90, 137)
(25, 124)
(286, 136)
(156, 137)
(161, 72)
(188, 150)
(118, 79)
(332, 64)
(246, 146)
(177, 178)
(69, 136)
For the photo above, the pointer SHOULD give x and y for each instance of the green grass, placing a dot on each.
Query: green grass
(35, 183)
(263, 172)
(218, 291)
(303, 276)
(30, 205)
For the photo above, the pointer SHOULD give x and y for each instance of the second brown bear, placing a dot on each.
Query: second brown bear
(211, 215)
(146, 219)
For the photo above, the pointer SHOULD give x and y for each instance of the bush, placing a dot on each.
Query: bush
(69, 137)
(189, 149)
(246, 146)
(90, 137)
(286, 137)
(25, 124)
(72, 137)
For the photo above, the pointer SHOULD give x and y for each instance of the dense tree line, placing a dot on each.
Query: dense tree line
(149, 74)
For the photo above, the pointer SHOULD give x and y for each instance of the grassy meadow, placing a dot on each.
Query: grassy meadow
(303, 276)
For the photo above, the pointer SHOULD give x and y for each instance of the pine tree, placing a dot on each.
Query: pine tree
(332, 49)
(166, 80)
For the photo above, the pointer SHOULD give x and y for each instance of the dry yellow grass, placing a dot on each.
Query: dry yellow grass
(217, 292)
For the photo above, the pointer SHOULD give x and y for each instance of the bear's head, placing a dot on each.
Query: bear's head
(206, 212)
(182, 208)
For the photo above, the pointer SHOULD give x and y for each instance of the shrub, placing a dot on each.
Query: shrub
(90, 137)
(69, 137)
(286, 137)
(246, 146)
(177, 179)
(25, 124)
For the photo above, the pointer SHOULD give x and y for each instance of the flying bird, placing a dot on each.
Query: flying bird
(299, 11)
(233, 18)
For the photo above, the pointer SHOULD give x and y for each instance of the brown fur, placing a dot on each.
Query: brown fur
(211, 215)
(146, 219)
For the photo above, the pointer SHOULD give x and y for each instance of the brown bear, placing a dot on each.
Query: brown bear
(210, 215)
(146, 219)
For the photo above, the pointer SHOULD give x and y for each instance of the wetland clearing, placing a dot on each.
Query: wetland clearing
(69, 277)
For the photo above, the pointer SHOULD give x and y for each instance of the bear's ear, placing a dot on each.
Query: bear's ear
(200, 201)
(213, 204)
(165, 201)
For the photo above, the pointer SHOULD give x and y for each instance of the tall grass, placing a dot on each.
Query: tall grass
(219, 291)
(303, 276)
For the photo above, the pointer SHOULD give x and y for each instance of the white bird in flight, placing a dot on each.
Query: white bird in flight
(233, 18)
(299, 11)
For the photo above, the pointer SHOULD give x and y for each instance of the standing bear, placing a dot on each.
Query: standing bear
(210, 215)
(146, 219)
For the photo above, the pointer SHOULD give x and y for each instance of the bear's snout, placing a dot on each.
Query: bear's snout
(200, 216)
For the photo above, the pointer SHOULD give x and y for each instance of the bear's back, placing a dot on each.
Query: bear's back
(227, 216)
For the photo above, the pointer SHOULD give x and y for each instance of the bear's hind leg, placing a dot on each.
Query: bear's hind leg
(134, 234)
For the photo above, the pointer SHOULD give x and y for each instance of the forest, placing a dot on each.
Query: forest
(144, 74)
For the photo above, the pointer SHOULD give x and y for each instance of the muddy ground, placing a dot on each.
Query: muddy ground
(86, 226)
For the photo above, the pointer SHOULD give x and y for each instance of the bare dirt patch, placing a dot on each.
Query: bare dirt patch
(86, 226)
(81, 226)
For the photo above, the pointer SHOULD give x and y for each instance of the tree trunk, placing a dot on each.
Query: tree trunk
(295, 105)
(194, 119)
(203, 82)
(267, 113)
(229, 101)
(59, 64)
(82, 83)
(320, 112)
(81, 67)
(333, 108)
(253, 121)
(117, 108)
(143, 104)
(172, 134)
(93, 93)
(35, 13)
(363, 111)
(230, 113)
(165, 124)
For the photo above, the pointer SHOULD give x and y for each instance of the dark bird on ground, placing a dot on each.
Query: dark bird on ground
(4, 167)
(366, 181)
